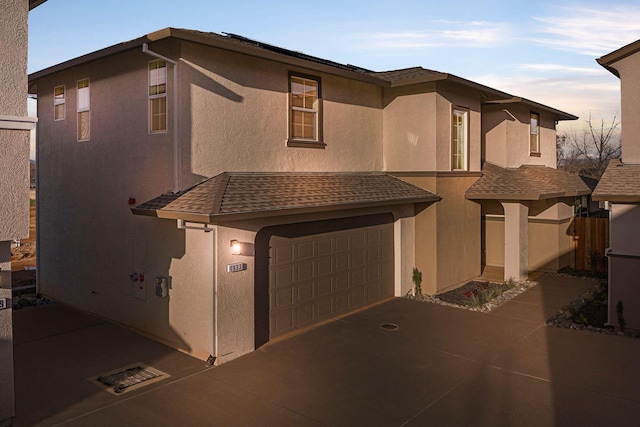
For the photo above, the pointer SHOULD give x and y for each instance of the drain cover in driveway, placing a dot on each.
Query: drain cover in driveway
(129, 378)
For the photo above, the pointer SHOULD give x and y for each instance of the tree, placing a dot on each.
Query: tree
(588, 152)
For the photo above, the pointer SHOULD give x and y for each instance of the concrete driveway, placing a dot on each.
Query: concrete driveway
(442, 366)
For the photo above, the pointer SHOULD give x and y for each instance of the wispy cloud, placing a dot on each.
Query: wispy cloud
(476, 34)
(579, 94)
(564, 69)
(590, 31)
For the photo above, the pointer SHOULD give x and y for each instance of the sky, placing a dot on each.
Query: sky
(544, 50)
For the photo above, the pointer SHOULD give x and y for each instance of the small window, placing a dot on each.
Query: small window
(305, 110)
(157, 96)
(534, 141)
(83, 111)
(59, 108)
(459, 139)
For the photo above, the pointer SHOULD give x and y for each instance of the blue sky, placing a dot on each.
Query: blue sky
(543, 50)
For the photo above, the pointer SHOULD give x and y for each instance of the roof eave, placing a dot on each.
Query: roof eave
(35, 3)
(617, 55)
(560, 115)
(93, 56)
(501, 196)
(209, 41)
(616, 198)
(220, 218)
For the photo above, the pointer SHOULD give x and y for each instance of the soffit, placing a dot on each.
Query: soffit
(525, 183)
(35, 3)
(245, 195)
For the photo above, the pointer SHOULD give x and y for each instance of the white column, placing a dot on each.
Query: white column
(404, 248)
(516, 240)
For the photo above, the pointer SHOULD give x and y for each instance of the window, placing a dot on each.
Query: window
(83, 110)
(534, 141)
(459, 139)
(305, 101)
(59, 108)
(157, 96)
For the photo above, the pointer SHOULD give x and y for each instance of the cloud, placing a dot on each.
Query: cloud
(565, 69)
(476, 34)
(589, 31)
(576, 94)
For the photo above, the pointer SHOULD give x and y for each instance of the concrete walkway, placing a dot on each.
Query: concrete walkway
(442, 366)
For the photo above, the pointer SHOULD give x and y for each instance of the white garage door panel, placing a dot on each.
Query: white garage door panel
(313, 278)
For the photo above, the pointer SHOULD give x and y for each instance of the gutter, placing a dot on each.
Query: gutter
(176, 142)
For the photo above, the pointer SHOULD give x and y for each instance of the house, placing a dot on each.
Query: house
(215, 192)
(14, 174)
(620, 186)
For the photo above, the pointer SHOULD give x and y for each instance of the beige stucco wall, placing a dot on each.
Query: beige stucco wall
(628, 68)
(14, 176)
(506, 130)
(447, 234)
(548, 231)
(90, 242)
(14, 158)
(409, 133)
(417, 126)
(235, 112)
(624, 262)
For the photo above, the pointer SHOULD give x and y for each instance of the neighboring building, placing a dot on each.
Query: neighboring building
(620, 186)
(14, 174)
(278, 189)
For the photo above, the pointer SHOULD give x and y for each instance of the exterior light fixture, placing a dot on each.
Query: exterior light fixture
(236, 247)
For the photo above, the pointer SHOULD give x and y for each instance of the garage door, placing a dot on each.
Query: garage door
(313, 278)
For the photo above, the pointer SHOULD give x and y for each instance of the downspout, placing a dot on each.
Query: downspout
(176, 142)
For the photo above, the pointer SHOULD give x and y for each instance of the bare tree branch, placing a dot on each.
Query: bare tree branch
(588, 153)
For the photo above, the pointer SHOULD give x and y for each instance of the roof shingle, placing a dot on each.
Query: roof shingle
(234, 195)
(525, 183)
(620, 182)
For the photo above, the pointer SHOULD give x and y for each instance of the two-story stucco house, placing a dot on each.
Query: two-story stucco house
(14, 173)
(215, 192)
(620, 185)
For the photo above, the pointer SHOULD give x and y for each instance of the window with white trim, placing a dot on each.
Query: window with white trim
(534, 138)
(84, 119)
(157, 96)
(305, 110)
(459, 138)
(59, 103)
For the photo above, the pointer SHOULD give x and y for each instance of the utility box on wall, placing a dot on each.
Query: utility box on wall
(162, 287)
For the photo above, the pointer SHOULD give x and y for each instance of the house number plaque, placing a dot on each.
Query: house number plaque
(234, 268)
(3, 303)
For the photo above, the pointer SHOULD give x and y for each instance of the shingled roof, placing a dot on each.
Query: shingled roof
(525, 183)
(246, 195)
(619, 183)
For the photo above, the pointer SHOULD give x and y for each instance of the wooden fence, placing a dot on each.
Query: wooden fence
(590, 239)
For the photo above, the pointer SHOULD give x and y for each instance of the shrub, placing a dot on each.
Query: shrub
(417, 281)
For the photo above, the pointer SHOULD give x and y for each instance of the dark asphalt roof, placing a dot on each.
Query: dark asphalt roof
(241, 195)
(525, 183)
(620, 182)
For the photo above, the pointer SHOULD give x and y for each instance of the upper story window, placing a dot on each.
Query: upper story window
(83, 110)
(59, 103)
(534, 139)
(459, 139)
(157, 96)
(305, 121)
